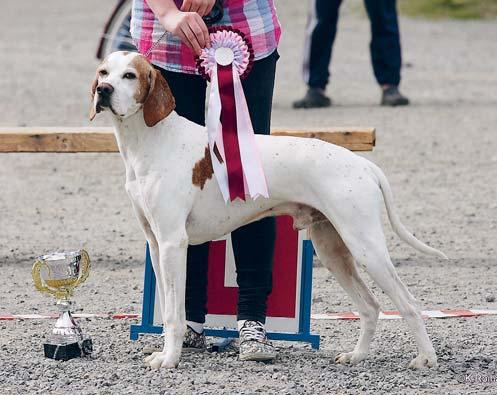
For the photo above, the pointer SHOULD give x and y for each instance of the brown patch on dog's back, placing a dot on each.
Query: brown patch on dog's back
(203, 171)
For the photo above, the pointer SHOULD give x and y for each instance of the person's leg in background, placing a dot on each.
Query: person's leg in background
(189, 93)
(320, 36)
(385, 49)
(253, 244)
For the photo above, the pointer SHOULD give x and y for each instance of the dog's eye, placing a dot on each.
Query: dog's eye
(129, 76)
(103, 72)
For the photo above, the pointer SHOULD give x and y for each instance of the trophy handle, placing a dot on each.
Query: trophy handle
(84, 269)
(37, 280)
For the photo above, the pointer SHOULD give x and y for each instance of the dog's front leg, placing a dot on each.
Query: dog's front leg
(172, 261)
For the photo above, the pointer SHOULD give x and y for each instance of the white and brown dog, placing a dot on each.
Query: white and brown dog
(336, 194)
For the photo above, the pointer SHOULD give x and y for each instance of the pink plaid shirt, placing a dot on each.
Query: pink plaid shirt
(256, 18)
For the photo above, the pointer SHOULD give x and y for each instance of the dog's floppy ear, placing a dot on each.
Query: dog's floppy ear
(159, 102)
(93, 108)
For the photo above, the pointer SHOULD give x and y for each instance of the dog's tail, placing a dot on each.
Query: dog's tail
(397, 226)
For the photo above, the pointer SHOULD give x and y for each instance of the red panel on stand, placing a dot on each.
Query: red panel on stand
(222, 300)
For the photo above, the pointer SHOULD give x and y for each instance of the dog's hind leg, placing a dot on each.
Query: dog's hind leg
(366, 242)
(336, 257)
(382, 271)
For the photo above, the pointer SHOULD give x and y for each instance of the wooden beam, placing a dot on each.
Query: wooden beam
(57, 140)
(89, 139)
(353, 138)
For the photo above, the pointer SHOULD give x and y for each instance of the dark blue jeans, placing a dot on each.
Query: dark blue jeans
(385, 41)
(253, 244)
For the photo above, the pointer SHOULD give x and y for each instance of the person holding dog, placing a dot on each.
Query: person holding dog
(171, 33)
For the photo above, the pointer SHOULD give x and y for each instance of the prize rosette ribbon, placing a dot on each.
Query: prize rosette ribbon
(234, 152)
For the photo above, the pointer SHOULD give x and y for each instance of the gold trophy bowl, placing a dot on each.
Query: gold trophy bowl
(58, 274)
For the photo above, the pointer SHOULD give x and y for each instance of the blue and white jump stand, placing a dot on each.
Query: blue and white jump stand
(304, 332)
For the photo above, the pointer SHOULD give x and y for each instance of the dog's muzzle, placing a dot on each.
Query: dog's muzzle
(104, 92)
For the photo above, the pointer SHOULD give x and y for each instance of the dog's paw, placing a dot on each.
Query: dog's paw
(169, 363)
(351, 358)
(424, 361)
(155, 359)
(149, 358)
(159, 360)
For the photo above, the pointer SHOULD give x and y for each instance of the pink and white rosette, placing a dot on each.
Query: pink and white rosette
(234, 152)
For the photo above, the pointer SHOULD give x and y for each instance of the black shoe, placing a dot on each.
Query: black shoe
(392, 97)
(314, 98)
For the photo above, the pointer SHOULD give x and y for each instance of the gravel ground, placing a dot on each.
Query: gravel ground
(440, 155)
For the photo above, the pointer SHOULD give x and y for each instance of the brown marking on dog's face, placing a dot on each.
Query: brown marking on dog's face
(144, 72)
(203, 171)
(153, 91)
(160, 100)
(146, 89)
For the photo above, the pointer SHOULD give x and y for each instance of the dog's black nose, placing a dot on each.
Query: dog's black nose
(105, 89)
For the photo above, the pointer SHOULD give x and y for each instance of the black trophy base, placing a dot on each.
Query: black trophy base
(68, 351)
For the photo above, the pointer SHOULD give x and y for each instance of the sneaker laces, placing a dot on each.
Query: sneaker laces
(253, 330)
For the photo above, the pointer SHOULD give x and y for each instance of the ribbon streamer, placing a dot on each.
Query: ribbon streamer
(230, 132)
(234, 152)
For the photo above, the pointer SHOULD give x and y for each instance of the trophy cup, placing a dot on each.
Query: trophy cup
(58, 274)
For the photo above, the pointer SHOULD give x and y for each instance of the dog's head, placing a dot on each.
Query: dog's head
(125, 83)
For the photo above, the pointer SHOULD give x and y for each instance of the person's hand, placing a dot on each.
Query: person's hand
(189, 27)
(201, 7)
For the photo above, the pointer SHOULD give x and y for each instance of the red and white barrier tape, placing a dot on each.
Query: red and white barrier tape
(395, 315)
(12, 317)
(346, 315)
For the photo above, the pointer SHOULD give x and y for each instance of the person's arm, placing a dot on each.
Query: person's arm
(188, 26)
(201, 7)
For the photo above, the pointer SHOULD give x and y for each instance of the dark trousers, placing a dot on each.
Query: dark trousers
(253, 244)
(385, 41)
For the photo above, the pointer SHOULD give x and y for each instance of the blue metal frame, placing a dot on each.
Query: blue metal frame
(303, 335)
(148, 306)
